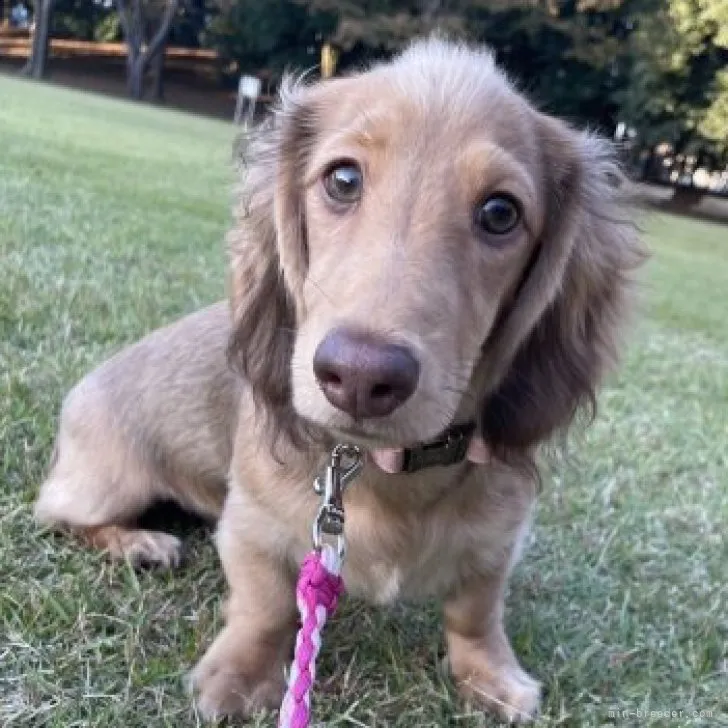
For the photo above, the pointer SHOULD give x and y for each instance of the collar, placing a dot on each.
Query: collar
(448, 449)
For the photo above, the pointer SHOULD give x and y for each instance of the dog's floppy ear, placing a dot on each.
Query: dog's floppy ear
(561, 333)
(267, 249)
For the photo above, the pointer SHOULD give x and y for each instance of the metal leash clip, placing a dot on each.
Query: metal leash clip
(338, 475)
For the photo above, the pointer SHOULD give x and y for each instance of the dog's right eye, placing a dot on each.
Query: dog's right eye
(498, 215)
(343, 183)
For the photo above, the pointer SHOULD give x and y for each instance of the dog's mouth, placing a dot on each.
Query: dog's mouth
(387, 456)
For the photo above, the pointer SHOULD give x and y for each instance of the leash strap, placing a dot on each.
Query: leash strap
(319, 583)
(317, 593)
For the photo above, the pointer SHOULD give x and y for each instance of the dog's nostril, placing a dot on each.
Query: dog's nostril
(381, 391)
(332, 379)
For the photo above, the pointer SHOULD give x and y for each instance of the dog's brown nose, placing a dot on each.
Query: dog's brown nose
(363, 375)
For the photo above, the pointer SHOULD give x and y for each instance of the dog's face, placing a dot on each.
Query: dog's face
(420, 219)
(425, 219)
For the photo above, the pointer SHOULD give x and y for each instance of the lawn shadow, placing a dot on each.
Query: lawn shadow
(169, 517)
(704, 208)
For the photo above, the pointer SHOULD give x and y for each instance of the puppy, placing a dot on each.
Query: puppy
(418, 258)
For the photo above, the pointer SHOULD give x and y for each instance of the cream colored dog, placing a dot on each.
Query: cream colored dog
(415, 249)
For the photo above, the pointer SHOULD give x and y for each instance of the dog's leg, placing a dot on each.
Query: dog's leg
(481, 659)
(242, 671)
(101, 511)
(141, 547)
(98, 486)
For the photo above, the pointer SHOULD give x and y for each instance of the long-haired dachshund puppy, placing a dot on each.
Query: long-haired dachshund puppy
(418, 258)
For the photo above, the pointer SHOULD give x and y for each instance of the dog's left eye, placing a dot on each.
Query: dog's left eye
(498, 215)
(343, 182)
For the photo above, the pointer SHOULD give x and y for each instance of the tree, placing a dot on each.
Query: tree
(254, 35)
(83, 19)
(703, 24)
(144, 42)
(381, 27)
(40, 42)
(678, 87)
(570, 57)
(568, 54)
(714, 124)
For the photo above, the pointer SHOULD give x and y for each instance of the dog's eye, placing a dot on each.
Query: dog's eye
(343, 182)
(498, 215)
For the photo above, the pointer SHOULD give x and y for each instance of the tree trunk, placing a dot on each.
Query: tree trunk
(130, 19)
(40, 42)
(135, 75)
(138, 56)
(157, 45)
(157, 68)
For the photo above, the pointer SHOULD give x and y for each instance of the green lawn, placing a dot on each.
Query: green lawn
(111, 223)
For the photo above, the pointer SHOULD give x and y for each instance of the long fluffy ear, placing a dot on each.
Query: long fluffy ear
(561, 334)
(267, 250)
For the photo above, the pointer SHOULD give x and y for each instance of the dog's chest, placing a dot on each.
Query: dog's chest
(419, 556)
(384, 582)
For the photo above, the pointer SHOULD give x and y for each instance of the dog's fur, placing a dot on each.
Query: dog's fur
(515, 333)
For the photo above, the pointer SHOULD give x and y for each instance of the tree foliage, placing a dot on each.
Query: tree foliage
(82, 19)
(271, 35)
(659, 65)
(677, 88)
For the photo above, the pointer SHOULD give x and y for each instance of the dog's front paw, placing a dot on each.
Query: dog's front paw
(228, 680)
(505, 689)
(511, 694)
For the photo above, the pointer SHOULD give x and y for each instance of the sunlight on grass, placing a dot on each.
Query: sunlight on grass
(112, 218)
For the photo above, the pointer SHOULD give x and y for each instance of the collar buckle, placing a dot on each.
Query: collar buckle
(449, 449)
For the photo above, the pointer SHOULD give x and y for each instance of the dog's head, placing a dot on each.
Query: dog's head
(416, 244)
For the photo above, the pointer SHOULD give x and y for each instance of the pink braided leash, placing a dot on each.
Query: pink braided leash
(317, 593)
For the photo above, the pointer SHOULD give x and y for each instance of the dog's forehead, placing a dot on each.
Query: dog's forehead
(398, 106)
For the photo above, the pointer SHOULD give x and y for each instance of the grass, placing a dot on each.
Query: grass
(111, 223)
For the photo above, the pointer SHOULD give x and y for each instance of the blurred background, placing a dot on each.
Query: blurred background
(651, 73)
